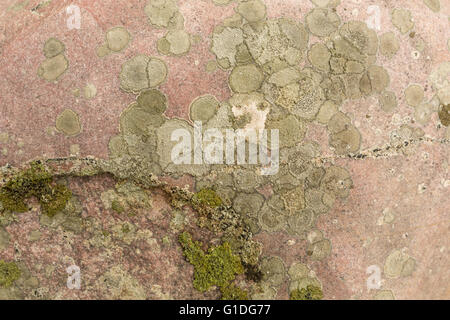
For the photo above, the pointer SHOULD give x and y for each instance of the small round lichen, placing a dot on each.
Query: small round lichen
(117, 38)
(389, 44)
(153, 101)
(51, 69)
(322, 22)
(387, 101)
(246, 78)
(401, 19)
(434, 5)
(68, 122)
(157, 72)
(133, 76)
(444, 114)
(203, 108)
(53, 47)
(161, 12)
(252, 11)
(9, 272)
(179, 42)
(414, 95)
(319, 56)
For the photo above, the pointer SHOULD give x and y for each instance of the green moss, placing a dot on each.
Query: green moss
(310, 293)
(208, 197)
(126, 228)
(117, 206)
(34, 182)
(233, 292)
(218, 267)
(9, 272)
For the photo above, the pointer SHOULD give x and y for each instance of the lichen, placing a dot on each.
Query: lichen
(310, 293)
(117, 206)
(9, 272)
(218, 267)
(208, 197)
(34, 182)
(444, 114)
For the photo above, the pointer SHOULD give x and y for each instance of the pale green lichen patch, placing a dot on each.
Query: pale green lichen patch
(402, 20)
(434, 5)
(52, 68)
(389, 44)
(4, 237)
(320, 56)
(117, 39)
(53, 47)
(245, 79)
(344, 137)
(142, 72)
(68, 122)
(399, 264)
(384, 295)
(152, 101)
(225, 44)
(322, 22)
(273, 271)
(252, 10)
(387, 101)
(222, 2)
(414, 95)
(204, 108)
(119, 284)
(161, 13)
(133, 76)
(444, 114)
(176, 42)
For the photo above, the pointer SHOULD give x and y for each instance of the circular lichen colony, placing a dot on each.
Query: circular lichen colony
(175, 42)
(53, 47)
(117, 39)
(52, 68)
(161, 12)
(68, 122)
(245, 79)
(322, 22)
(142, 72)
(157, 72)
(203, 108)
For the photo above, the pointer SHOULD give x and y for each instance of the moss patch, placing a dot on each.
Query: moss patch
(310, 293)
(34, 182)
(218, 267)
(208, 197)
(9, 272)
